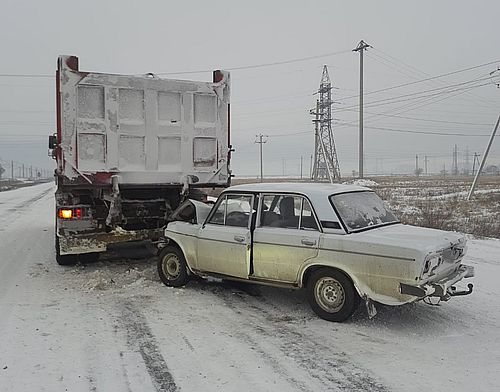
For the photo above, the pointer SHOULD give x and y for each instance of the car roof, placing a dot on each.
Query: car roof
(307, 188)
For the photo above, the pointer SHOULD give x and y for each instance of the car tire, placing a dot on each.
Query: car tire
(172, 267)
(331, 294)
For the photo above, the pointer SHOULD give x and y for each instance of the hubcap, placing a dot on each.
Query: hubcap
(329, 294)
(171, 266)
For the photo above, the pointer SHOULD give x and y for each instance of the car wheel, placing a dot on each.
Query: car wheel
(332, 295)
(172, 267)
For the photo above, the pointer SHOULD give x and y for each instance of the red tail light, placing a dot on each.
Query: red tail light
(70, 213)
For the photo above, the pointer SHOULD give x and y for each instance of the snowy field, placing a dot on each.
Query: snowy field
(112, 326)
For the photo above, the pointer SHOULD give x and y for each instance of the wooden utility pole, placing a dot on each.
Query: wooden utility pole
(362, 46)
(483, 161)
(261, 141)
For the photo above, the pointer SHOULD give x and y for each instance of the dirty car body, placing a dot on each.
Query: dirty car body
(338, 241)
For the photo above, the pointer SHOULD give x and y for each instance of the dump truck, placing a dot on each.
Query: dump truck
(129, 149)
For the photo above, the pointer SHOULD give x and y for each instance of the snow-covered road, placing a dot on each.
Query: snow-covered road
(112, 326)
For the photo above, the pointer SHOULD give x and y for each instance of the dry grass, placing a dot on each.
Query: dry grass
(442, 204)
(435, 202)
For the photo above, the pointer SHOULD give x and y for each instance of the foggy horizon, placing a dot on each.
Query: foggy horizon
(278, 51)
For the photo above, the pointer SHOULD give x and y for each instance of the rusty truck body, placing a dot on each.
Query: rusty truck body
(128, 147)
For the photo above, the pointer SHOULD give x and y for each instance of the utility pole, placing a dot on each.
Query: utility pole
(261, 141)
(467, 162)
(425, 164)
(362, 46)
(12, 169)
(454, 169)
(23, 170)
(416, 165)
(483, 161)
(311, 167)
(301, 164)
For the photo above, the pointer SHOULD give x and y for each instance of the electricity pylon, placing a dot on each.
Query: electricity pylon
(326, 164)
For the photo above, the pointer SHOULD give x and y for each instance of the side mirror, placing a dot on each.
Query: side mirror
(52, 142)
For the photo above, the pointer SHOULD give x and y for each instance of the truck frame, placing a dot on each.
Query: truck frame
(128, 150)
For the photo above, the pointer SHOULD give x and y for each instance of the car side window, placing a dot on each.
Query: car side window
(307, 221)
(233, 210)
(280, 211)
(219, 216)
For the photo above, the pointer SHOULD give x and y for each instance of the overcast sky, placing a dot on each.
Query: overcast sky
(411, 41)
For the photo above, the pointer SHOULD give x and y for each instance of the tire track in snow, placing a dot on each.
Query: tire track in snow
(140, 339)
(22, 207)
(329, 366)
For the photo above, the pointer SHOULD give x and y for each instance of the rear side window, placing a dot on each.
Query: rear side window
(232, 210)
(308, 222)
(287, 211)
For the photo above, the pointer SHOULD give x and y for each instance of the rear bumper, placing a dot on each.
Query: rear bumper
(70, 243)
(443, 288)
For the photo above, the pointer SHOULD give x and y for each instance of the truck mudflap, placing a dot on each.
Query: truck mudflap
(444, 288)
(71, 244)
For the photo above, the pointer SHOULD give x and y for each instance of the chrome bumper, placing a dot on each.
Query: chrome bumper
(443, 288)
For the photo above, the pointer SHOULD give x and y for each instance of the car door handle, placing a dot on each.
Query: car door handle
(308, 242)
(239, 238)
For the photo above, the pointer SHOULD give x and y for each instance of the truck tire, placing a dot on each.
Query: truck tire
(331, 294)
(88, 258)
(172, 267)
(64, 259)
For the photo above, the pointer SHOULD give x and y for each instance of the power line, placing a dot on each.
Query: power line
(423, 119)
(262, 65)
(290, 134)
(420, 73)
(419, 132)
(426, 79)
(437, 91)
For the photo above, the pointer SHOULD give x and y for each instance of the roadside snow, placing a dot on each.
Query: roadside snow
(112, 326)
(362, 182)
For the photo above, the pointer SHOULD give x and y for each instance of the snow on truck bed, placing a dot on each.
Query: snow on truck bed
(112, 326)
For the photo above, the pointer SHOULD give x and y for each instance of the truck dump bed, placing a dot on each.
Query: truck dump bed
(144, 129)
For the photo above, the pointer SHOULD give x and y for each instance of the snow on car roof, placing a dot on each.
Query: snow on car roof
(316, 192)
(306, 188)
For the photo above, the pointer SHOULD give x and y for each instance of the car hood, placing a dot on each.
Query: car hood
(420, 239)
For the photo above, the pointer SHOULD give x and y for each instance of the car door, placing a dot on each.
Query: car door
(224, 241)
(287, 234)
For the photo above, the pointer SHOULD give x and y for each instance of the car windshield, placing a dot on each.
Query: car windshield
(361, 210)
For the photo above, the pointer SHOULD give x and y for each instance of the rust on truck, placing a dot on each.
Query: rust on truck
(129, 148)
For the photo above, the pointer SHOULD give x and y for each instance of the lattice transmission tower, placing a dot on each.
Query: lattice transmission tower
(326, 164)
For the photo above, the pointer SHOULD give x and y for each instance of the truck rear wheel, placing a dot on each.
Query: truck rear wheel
(64, 259)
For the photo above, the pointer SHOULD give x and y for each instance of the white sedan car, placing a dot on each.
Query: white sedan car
(339, 242)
